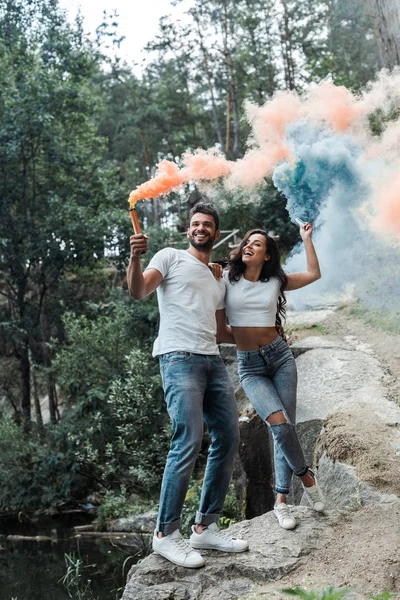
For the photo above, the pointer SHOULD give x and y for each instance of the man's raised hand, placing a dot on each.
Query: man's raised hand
(138, 244)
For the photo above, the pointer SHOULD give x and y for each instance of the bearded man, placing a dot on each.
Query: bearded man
(196, 385)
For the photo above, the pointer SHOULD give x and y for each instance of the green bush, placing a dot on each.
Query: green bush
(36, 474)
(126, 440)
(111, 437)
(229, 516)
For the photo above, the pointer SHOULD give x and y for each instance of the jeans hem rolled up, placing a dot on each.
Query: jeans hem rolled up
(168, 528)
(204, 519)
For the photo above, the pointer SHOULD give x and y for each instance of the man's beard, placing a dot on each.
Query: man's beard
(203, 246)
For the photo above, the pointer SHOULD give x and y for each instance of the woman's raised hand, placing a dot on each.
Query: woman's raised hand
(216, 270)
(306, 231)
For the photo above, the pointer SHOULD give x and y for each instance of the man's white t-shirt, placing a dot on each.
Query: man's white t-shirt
(188, 297)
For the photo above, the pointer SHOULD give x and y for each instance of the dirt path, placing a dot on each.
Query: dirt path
(382, 344)
(363, 552)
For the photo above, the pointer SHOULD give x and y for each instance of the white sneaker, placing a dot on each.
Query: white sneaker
(177, 550)
(212, 538)
(314, 496)
(285, 519)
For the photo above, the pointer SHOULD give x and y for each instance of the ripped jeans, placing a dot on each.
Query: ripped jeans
(269, 379)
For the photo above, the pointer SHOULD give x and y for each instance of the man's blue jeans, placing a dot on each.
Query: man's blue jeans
(269, 379)
(197, 387)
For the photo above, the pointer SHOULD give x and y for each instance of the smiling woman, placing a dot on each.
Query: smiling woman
(255, 307)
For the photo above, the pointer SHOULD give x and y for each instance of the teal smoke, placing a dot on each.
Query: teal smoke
(324, 163)
(326, 184)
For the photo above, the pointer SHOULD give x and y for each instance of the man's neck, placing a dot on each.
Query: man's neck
(204, 257)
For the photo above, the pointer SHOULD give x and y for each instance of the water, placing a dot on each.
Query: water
(32, 570)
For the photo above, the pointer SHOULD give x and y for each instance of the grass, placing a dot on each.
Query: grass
(313, 329)
(385, 321)
(73, 580)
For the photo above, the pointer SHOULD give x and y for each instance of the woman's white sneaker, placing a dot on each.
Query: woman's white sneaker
(212, 538)
(285, 519)
(314, 495)
(177, 550)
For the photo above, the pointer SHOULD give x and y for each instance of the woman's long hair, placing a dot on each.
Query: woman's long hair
(271, 268)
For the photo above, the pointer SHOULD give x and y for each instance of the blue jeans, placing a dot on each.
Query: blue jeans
(197, 387)
(269, 379)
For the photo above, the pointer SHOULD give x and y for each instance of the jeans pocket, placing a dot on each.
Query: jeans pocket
(172, 358)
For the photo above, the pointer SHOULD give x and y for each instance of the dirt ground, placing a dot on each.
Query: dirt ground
(383, 345)
(363, 552)
(362, 555)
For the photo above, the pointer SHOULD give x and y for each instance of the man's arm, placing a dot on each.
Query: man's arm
(224, 333)
(140, 284)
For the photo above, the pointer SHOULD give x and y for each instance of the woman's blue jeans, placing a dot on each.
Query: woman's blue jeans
(197, 388)
(269, 379)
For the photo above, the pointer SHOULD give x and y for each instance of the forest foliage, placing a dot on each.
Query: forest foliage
(81, 406)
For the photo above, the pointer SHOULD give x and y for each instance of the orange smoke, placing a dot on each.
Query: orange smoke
(206, 164)
(387, 203)
(168, 177)
(269, 121)
(203, 164)
(251, 170)
(333, 104)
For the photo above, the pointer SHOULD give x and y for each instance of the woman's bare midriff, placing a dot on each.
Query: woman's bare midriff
(252, 338)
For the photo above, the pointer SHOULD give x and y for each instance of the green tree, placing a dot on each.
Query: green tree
(55, 190)
(349, 52)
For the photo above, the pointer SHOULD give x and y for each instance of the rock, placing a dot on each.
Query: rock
(308, 433)
(312, 342)
(309, 317)
(344, 418)
(245, 409)
(342, 487)
(228, 355)
(331, 379)
(143, 523)
(256, 461)
(273, 553)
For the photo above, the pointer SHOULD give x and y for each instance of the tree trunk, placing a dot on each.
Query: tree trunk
(287, 53)
(232, 84)
(47, 360)
(145, 152)
(38, 410)
(228, 121)
(209, 81)
(256, 59)
(387, 30)
(26, 386)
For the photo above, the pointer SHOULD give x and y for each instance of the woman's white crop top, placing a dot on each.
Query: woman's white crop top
(251, 303)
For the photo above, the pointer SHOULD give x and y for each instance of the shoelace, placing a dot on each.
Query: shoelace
(283, 510)
(223, 534)
(313, 493)
(182, 545)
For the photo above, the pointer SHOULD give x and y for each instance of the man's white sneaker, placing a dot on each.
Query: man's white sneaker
(285, 519)
(212, 538)
(314, 496)
(177, 550)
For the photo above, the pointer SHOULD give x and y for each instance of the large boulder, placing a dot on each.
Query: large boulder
(256, 461)
(348, 429)
(273, 553)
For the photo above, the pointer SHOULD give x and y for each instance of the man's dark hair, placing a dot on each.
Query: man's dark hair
(207, 209)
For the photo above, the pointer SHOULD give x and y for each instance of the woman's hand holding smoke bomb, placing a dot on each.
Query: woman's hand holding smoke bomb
(305, 229)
